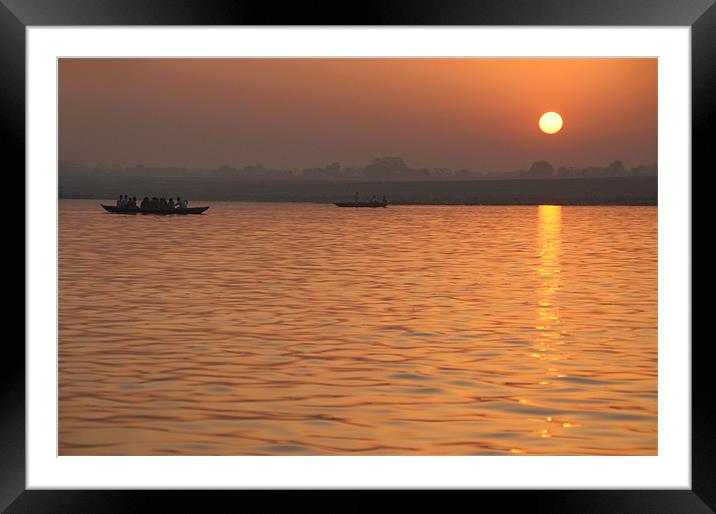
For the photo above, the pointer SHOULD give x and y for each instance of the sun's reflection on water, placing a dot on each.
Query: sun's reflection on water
(546, 347)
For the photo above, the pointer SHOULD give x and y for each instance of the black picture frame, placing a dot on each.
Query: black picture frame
(17, 15)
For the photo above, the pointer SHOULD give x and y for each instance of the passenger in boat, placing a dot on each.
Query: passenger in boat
(163, 203)
(183, 202)
(132, 202)
(155, 202)
(385, 200)
(374, 199)
(170, 203)
(119, 201)
(145, 203)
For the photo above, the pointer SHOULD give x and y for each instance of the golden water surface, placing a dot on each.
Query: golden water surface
(302, 329)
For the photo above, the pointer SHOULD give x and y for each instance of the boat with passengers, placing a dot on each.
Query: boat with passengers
(374, 202)
(154, 205)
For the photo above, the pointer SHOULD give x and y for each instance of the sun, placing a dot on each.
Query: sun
(550, 122)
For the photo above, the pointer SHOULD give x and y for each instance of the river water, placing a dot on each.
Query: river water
(305, 329)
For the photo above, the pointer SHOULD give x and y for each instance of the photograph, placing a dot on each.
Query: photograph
(288, 256)
(440, 247)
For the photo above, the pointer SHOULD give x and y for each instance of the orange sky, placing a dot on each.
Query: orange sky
(479, 114)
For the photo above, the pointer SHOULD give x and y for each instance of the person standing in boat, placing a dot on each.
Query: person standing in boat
(119, 201)
(183, 202)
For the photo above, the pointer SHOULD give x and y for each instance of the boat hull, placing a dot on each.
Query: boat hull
(137, 210)
(372, 205)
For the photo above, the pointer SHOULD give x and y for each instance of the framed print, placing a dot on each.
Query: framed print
(435, 248)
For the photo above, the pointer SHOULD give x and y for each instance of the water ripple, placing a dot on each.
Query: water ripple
(298, 329)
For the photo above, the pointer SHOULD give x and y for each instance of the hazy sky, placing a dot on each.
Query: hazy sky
(478, 114)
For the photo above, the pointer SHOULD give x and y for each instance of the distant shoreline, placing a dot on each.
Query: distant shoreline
(639, 191)
(198, 201)
(417, 204)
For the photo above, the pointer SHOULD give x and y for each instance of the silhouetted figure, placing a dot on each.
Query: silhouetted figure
(163, 203)
(170, 203)
(155, 202)
(374, 199)
(119, 201)
(183, 203)
(145, 203)
(385, 200)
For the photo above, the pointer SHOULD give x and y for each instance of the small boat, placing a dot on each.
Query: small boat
(361, 204)
(138, 210)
